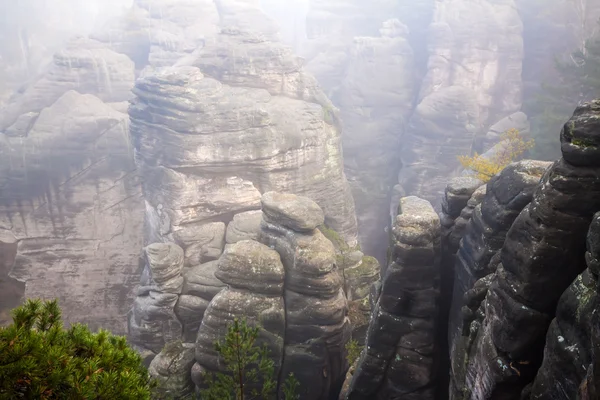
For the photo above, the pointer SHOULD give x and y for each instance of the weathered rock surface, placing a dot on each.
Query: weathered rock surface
(542, 254)
(570, 366)
(255, 276)
(467, 88)
(172, 370)
(194, 133)
(71, 199)
(299, 214)
(244, 226)
(316, 323)
(152, 320)
(374, 112)
(157, 33)
(84, 65)
(400, 356)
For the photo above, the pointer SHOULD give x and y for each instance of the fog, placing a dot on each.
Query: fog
(167, 166)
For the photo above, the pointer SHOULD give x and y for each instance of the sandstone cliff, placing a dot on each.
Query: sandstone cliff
(543, 252)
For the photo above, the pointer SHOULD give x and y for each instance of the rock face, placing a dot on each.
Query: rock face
(542, 254)
(570, 366)
(400, 356)
(506, 196)
(84, 65)
(316, 323)
(291, 287)
(467, 88)
(157, 33)
(193, 134)
(70, 197)
(255, 275)
(374, 111)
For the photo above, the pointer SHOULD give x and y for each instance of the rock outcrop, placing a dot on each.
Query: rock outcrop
(291, 288)
(70, 196)
(209, 148)
(374, 111)
(542, 254)
(399, 360)
(255, 277)
(316, 323)
(84, 65)
(571, 359)
(467, 88)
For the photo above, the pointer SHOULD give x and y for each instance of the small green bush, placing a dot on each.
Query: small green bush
(39, 359)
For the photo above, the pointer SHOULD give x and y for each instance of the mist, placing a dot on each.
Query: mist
(399, 195)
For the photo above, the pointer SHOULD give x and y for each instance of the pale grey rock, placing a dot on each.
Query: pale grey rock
(518, 121)
(201, 281)
(72, 200)
(84, 65)
(317, 327)
(200, 242)
(271, 136)
(249, 258)
(152, 319)
(374, 112)
(245, 226)
(160, 32)
(297, 213)
(466, 89)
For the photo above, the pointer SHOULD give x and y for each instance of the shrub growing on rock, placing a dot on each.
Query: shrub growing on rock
(250, 371)
(39, 359)
(486, 167)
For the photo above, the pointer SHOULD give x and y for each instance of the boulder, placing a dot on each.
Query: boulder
(297, 213)
(244, 226)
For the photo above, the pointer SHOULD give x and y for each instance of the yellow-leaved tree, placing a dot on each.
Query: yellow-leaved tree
(486, 167)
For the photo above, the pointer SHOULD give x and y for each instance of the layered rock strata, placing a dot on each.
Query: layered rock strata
(571, 359)
(374, 111)
(193, 133)
(316, 323)
(69, 194)
(542, 254)
(399, 360)
(467, 89)
(506, 196)
(255, 276)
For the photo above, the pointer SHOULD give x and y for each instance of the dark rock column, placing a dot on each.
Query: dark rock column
(507, 194)
(541, 256)
(572, 357)
(399, 361)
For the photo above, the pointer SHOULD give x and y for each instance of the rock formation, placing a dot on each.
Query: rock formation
(542, 254)
(193, 134)
(506, 195)
(400, 356)
(291, 287)
(255, 277)
(70, 197)
(467, 89)
(374, 110)
(570, 366)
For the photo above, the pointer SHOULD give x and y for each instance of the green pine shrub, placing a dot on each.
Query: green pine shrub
(40, 359)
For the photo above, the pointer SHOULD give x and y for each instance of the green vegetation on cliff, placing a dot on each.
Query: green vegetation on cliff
(39, 359)
(249, 370)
